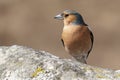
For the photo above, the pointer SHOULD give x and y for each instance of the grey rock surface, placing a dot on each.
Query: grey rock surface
(22, 63)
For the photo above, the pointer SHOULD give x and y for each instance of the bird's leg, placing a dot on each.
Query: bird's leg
(81, 58)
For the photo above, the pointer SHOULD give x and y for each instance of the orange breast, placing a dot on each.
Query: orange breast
(76, 38)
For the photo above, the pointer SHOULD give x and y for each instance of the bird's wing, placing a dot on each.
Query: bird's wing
(92, 37)
(62, 42)
(92, 40)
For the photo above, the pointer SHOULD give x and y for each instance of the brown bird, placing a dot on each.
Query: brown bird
(77, 37)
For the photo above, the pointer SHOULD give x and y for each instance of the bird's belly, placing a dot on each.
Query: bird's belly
(71, 41)
(76, 41)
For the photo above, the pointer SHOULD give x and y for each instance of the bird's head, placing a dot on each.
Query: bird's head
(70, 17)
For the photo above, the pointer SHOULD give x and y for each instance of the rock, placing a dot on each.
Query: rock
(22, 63)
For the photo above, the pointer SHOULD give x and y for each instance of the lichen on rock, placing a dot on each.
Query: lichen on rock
(22, 63)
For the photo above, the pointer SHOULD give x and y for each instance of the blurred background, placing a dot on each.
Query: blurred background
(31, 23)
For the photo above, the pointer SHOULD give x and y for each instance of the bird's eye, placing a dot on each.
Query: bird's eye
(66, 15)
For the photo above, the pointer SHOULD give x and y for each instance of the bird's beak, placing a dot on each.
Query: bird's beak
(59, 17)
